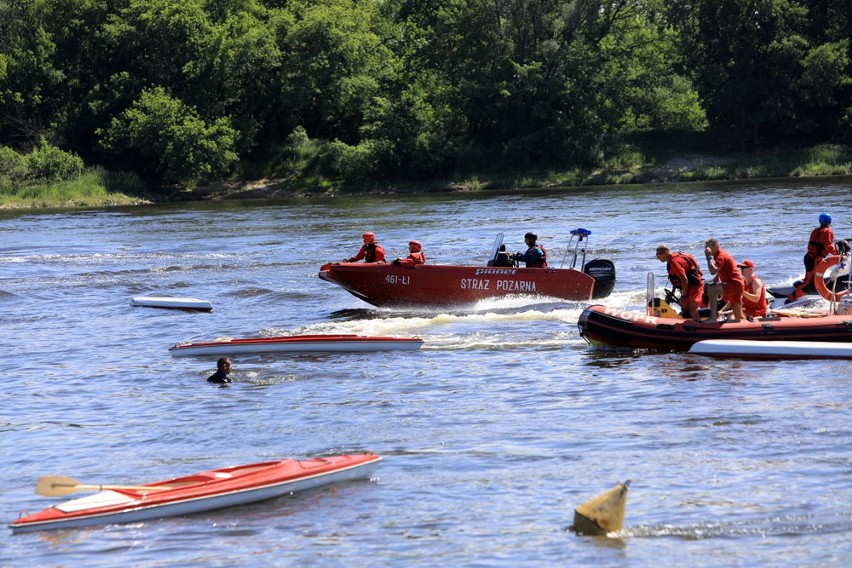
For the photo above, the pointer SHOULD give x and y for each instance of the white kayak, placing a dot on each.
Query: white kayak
(296, 344)
(753, 349)
(169, 302)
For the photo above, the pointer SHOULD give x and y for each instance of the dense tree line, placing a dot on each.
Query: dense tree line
(189, 90)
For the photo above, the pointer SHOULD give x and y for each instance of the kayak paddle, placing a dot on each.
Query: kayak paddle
(56, 485)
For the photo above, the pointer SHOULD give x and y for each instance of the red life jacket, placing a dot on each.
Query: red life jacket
(413, 259)
(693, 272)
(820, 244)
(543, 262)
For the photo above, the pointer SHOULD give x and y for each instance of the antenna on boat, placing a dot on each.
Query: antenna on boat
(582, 235)
(649, 294)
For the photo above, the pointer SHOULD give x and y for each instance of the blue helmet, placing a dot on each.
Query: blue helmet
(824, 219)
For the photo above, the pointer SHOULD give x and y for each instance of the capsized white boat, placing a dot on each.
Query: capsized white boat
(296, 344)
(752, 349)
(170, 302)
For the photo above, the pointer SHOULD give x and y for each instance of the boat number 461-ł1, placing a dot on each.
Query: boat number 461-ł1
(394, 279)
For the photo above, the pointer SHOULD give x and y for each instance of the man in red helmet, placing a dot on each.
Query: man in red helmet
(371, 251)
(416, 256)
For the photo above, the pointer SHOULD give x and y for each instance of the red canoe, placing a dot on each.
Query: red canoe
(204, 491)
(601, 325)
(296, 344)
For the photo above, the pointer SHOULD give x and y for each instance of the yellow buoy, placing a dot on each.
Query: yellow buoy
(602, 514)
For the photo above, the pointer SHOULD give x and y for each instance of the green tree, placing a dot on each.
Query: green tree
(29, 79)
(163, 137)
(762, 76)
(334, 64)
(237, 73)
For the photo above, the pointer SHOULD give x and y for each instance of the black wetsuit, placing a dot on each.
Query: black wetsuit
(219, 376)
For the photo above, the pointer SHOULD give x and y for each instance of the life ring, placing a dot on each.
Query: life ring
(819, 279)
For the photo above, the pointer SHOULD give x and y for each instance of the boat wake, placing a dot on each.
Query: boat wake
(785, 526)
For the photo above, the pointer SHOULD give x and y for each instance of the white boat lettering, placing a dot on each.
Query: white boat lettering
(632, 316)
(524, 286)
(495, 271)
(474, 284)
(394, 279)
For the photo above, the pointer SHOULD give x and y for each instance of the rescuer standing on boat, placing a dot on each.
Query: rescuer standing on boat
(371, 251)
(415, 256)
(820, 245)
(724, 269)
(536, 256)
(685, 274)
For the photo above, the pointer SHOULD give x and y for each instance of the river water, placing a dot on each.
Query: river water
(491, 435)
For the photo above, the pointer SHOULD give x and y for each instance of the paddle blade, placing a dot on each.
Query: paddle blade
(56, 485)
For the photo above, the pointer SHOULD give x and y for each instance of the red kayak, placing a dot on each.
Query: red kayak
(204, 491)
(431, 285)
(296, 344)
(601, 325)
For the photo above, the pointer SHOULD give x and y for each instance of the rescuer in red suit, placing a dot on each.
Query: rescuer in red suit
(371, 251)
(415, 256)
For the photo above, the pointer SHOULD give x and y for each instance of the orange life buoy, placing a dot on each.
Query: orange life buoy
(819, 279)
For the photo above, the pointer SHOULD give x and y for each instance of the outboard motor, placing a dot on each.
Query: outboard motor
(603, 271)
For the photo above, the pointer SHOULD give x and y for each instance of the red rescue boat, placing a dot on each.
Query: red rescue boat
(601, 325)
(204, 491)
(430, 285)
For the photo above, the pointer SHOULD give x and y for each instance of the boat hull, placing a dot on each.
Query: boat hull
(442, 285)
(752, 349)
(204, 491)
(296, 344)
(601, 325)
(172, 303)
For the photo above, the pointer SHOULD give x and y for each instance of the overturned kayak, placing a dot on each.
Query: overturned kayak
(204, 491)
(172, 303)
(296, 344)
(751, 349)
(601, 325)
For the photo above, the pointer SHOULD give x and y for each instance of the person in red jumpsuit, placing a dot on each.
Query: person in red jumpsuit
(415, 256)
(371, 251)
(754, 292)
(684, 274)
(725, 272)
(820, 245)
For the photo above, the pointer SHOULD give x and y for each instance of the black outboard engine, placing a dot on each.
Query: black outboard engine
(603, 271)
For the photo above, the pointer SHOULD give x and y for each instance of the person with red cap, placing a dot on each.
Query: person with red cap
(754, 292)
(371, 251)
(415, 256)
